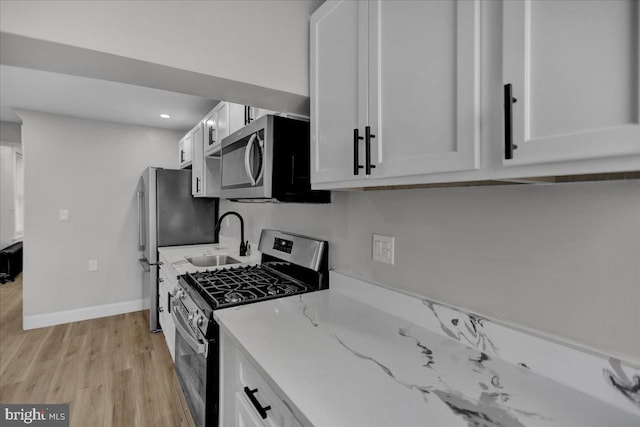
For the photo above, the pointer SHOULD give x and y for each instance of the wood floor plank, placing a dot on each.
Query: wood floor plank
(112, 371)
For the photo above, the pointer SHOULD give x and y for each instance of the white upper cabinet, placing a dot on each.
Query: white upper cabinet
(394, 89)
(574, 71)
(205, 171)
(338, 88)
(216, 125)
(197, 168)
(184, 151)
(237, 117)
(423, 86)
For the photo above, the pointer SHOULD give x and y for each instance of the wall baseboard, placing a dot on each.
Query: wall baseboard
(67, 316)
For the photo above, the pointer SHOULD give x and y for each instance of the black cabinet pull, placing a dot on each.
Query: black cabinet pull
(197, 185)
(367, 150)
(356, 152)
(181, 156)
(509, 100)
(261, 410)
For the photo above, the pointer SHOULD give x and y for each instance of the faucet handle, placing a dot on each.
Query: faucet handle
(244, 248)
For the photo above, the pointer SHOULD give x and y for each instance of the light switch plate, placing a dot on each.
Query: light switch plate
(383, 248)
(63, 215)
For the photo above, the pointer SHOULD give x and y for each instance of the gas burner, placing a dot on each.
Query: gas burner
(240, 285)
(233, 297)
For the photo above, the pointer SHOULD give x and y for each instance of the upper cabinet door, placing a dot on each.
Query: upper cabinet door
(338, 89)
(574, 73)
(236, 118)
(424, 86)
(197, 168)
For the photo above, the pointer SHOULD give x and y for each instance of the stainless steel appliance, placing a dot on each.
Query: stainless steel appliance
(290, 265)
(268, 160)
(169, 216)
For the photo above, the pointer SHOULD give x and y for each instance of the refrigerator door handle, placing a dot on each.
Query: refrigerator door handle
(141, 231)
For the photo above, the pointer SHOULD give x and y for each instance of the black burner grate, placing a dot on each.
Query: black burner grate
(235, 286)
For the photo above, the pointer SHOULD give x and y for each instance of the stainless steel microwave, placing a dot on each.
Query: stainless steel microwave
(268, 160)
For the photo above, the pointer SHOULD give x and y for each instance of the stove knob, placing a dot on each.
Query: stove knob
(190, 317)
(199, 320)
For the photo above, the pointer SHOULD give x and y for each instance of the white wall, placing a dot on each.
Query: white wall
(92, 169)
(10, 132)
(561, 259)
(265, 43)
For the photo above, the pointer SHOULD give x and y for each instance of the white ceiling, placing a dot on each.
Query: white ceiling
(29, 89)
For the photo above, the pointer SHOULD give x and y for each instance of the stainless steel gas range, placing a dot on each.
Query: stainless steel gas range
(291, 264)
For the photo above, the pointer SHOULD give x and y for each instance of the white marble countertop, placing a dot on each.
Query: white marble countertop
(176, 256)
(341, 362)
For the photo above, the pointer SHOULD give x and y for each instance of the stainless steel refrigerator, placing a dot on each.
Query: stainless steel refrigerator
(168, 215)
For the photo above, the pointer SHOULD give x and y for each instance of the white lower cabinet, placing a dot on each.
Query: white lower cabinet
(247, 399)
(167, 283)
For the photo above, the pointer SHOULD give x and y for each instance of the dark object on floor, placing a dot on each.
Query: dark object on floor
(10, 262)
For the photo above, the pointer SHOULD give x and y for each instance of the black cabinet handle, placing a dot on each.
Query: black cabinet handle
(356, 152)
(367, 150)
(509, 100)
(197, 185)
(181, 156)
(261, 410)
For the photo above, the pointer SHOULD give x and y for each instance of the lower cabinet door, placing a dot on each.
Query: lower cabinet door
(244, 413)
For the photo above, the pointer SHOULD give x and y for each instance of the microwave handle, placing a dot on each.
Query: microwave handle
(261, 145)
(247, 159)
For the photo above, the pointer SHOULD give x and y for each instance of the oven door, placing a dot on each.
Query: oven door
(196, 364)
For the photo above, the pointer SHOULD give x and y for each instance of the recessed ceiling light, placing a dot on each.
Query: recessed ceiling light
(165, 116)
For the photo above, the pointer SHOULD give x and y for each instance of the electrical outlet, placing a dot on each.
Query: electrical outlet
(63, 215)
(383, 248)
(93, 265)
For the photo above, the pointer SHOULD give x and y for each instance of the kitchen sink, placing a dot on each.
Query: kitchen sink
(212, 260)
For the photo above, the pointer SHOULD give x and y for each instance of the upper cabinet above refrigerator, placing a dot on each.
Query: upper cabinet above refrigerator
(572, 71)
(185, 151)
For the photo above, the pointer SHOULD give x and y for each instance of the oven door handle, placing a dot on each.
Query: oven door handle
(196, 345)
(247, 159)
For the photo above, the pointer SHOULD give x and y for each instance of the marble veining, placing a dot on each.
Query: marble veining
(466, 328)
(428, 354)
(341, 362)
(488, 409)
(603, 377)
(618, 379)
(304, 312)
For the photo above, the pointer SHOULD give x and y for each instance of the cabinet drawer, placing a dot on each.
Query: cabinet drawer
(252, 383)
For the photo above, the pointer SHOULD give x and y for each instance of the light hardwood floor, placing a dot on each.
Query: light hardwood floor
(112, 371)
